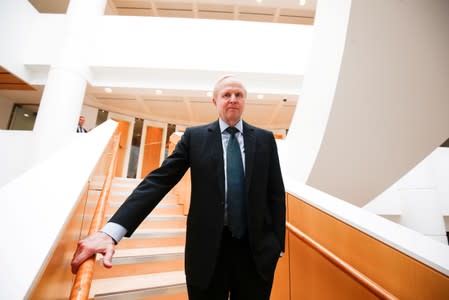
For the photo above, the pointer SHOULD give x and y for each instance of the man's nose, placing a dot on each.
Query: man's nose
(233, 98)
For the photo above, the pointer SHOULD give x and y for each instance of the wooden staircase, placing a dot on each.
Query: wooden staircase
(150, 264)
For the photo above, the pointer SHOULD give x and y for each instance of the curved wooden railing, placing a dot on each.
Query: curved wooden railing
(83, 279)
(342, 265)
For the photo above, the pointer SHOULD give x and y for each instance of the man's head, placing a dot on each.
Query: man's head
(81, 121)
(229, 98)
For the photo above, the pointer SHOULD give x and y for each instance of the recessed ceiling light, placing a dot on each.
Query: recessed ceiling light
(108, 90)
(26, 115)
(259, 1)
(158, 92)
(209, 94)
(260, 96)
(302, 2)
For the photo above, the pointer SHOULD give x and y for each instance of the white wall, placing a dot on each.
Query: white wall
(6, 107)
(31, 201)
(427, 182)
(431, 173)
(14, 153)
(200, 44)
(390, 106)
(187, 53)
(175, 43)
(320, 80)
(16, 19)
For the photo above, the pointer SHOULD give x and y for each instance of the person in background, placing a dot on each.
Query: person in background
(236, 221)
(80, 127)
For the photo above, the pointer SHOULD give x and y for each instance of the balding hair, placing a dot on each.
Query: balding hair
(223, 78)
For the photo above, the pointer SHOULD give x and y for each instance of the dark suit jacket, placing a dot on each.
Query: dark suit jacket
(200, 148)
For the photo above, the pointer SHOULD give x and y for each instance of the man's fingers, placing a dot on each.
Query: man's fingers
(107, 258)
(74, 267)
(97, 243)
(76, 263)
(81, 254)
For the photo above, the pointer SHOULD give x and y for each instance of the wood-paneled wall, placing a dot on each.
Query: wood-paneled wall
(183, 189)
(152, 150)
(311, 276)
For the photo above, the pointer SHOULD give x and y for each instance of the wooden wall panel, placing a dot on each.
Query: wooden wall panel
(9, 81)
(401, 275)
(56, 280)
(281, 283)
(185, 191)
(173, 140)
(152, 150)
(313, 277)
(123, 128)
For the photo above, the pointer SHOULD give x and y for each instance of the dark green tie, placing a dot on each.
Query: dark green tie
(236, 186)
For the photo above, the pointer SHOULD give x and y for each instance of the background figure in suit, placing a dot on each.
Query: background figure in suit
(80, 127)
(236, 222)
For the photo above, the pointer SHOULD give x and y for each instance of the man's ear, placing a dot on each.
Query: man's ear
(214, 102)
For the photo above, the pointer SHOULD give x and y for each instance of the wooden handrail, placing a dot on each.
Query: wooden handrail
(342, 265)
(83, 279)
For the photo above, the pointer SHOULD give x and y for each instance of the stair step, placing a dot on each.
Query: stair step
(160, 205)
(159, 232)
(139, 286)
(148, 251)
(141, 268)
(146, 224)
(130, 185)
(126, 180)
(161, 208)
(143, 242)
(167, 217)
(151, 217)
(98, 182)
(112, 193)
(141, 255)
(118, 203)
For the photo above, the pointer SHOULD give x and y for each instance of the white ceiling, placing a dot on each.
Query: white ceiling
(281, 11)
(188, 107)
(284, 11)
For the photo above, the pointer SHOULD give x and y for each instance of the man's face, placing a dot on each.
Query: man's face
(230, 99)
(81, 121)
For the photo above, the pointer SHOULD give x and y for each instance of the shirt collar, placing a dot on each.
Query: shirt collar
(224, 125)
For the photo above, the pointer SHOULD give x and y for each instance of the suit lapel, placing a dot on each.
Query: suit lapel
(214, 140)
(249, 139)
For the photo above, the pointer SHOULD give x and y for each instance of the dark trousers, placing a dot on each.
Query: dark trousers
(235, 276)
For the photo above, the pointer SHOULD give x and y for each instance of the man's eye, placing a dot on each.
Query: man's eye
(238, 95)
(227, 95)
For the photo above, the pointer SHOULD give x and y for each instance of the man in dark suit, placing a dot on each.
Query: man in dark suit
(236, 221)
(80, 128)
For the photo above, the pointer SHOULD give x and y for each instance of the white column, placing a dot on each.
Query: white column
(420, 212)
(64, 91)
(418, 194)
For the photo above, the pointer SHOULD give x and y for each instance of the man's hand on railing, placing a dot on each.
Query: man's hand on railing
(98, 242)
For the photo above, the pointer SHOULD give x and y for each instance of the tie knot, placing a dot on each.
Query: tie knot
(232, 130)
